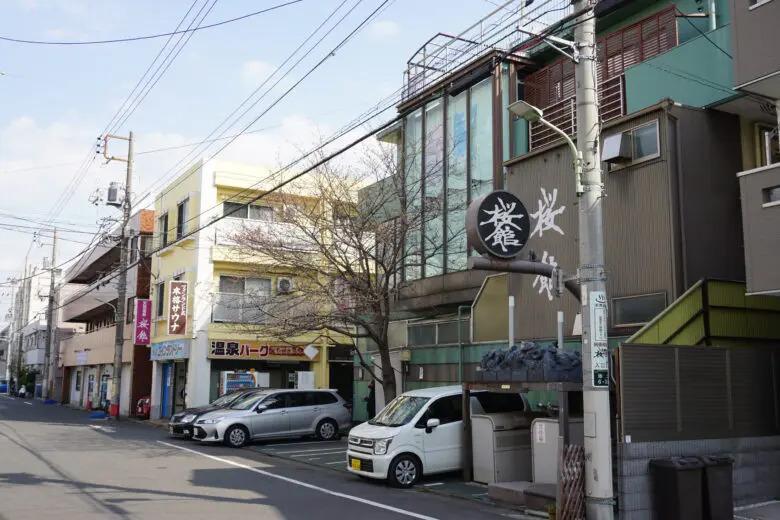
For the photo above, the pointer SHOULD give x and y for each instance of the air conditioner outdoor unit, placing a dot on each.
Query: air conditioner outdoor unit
(284, 285)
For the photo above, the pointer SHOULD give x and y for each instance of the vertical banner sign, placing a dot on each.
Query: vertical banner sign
(143, 322)
(177, 308)
(599, 351)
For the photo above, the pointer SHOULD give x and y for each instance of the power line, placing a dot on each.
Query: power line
(151, 36)
(721, 49)
(164, 177)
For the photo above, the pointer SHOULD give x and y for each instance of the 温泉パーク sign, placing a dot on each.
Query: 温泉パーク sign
(177, 308)
(497, 225)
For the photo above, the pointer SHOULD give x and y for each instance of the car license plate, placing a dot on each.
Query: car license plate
(355, 464)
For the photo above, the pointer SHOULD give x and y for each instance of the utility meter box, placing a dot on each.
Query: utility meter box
(544, 442)
(501, 447)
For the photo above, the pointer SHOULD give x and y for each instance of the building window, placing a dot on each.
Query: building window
(413, 191)
(163, 229)
(433, 206)
(130, 310)
(134, 249)
(769, 144)
(239, 298)
(633, 311)
(632, 146)
(771, 195)
(160, 299)
(264, 213)
(457, 190)
(181, 218)
(78, 381)
(644, 142)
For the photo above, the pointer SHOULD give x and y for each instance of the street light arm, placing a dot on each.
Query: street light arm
(577, 155)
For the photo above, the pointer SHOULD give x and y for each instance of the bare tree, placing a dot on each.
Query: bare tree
(346, 232)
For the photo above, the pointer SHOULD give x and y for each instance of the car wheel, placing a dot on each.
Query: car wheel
(404, 471)
(327, 430)
(236, 436)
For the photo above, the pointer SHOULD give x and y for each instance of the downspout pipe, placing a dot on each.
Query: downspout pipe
(713, 15)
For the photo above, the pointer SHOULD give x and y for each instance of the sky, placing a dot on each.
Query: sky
(56, 100)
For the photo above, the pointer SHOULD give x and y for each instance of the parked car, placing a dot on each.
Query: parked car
(420, 432)
(3, 386)
(276, 414)
(182, 423)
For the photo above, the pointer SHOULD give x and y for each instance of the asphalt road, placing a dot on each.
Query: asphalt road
(56, 463)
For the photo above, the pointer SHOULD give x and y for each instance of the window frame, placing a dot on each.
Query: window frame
(617, 166)
(160, 297)
(163, 229)
(235, 215)
(766, 201)
(182, 215)
(613, 308)
(130, 309)
(757, 4)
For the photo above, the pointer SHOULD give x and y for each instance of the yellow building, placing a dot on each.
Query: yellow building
(206, 343)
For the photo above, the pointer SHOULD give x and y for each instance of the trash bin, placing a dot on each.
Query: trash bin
(718, 488)
(677, 488)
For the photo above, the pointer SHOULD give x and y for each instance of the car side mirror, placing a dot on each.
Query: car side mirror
(261, 408)
(431, 424)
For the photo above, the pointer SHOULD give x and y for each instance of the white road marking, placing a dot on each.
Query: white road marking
(333, 449)
(28, 402)
(286, 444)
(434, 484)
(317, 454)
(753, 506)
(338, 462)
(303, 484)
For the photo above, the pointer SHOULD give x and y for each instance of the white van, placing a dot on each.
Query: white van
(420, 432)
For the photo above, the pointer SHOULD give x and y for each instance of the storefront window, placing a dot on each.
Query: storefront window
(433, 190)
(457, 195)
(413, 191)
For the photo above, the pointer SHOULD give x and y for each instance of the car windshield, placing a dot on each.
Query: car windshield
(246, 402)
(400, 411)
(227, 399)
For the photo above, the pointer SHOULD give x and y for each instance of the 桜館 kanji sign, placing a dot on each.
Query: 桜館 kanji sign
(497, 225)
(177, 308)
(143, 322)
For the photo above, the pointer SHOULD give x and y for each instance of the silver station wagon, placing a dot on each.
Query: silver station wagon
(274, 414)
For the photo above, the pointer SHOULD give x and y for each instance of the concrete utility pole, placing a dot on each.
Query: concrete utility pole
(50, 313)
(122, 281)
(592, 276)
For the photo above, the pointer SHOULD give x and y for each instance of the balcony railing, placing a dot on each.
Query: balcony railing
(236, 308)
(563, 114)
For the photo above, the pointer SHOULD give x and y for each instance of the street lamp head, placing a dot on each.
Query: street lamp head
(525, 110)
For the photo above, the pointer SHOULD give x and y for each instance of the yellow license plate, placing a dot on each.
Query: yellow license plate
(355, 464)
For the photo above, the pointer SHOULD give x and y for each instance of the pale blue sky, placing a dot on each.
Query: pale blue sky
(54, 100)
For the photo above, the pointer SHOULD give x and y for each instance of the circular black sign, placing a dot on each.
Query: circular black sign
(497, 225)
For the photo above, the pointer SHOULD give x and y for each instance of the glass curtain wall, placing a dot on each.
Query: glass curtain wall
(413, 191)
(457, 194)
(448, 162)
(433, 245)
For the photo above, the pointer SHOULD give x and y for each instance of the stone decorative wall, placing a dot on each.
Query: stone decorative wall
(756, 474)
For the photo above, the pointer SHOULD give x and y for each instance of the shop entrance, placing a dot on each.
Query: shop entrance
(341, 370)
(174, 385)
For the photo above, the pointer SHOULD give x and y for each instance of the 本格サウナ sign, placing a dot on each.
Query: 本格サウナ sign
(497, 225)
(177, 308)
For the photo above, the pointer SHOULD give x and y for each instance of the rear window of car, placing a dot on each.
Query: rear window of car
(322, 398)
(498, 402)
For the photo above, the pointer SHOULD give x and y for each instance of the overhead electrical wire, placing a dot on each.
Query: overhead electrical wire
(151, 36)
(277, 187)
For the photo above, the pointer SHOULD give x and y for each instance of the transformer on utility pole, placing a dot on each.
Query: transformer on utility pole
(119, 338)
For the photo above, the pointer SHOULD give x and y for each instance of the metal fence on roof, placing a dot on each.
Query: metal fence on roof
(502, 30)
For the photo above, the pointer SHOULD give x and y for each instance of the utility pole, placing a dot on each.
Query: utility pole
(122, 288)
(592, 275)
(50, 313)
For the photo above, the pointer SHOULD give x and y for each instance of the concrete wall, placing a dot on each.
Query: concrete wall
(756, 474)
(752, 41)
(760, 221)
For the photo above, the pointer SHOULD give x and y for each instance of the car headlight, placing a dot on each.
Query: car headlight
(381, 446)
(215, 420)
(188, 418)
